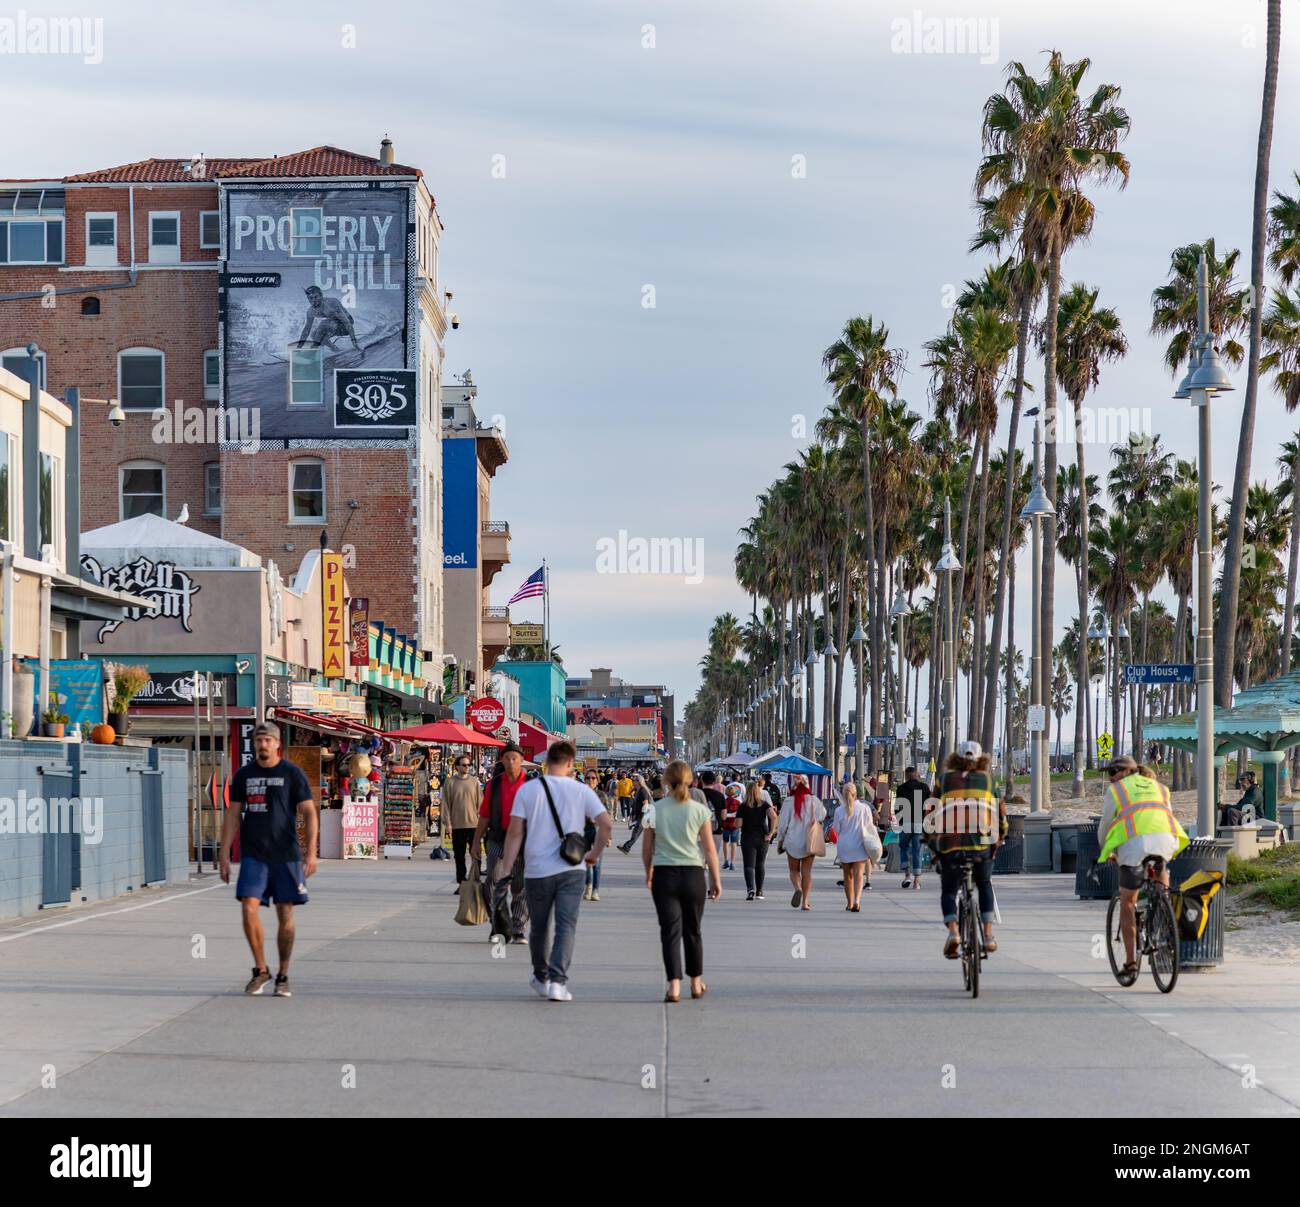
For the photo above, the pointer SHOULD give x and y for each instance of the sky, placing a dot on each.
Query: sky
(659, 214)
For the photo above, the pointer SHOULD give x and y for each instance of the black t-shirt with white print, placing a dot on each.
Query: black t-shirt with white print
(268, 827)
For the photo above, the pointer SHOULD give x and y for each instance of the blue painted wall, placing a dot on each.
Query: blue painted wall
(460, 503)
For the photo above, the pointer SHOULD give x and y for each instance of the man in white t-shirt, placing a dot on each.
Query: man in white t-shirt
(553, 885)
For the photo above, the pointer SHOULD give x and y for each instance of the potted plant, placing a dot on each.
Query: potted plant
(127, 682)
(54, 720)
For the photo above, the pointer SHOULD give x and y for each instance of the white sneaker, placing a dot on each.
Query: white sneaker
(556, 992)
(538, 987)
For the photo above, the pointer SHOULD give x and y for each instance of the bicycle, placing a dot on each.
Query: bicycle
(970, 932)
(1157, 932)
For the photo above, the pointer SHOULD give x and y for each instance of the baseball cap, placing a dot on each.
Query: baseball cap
(267, 729)
(1124, 762)
(969, 750)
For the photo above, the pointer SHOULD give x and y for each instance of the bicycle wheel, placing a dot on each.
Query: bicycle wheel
(970, 944)
(962, 911)
(1115, 946)
(1162, 933)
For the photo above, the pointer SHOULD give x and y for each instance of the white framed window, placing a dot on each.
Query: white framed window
(31, 240)
(305, 225)
(8, 487)
(211, 376)
(142, 488)
(307, 491)
(101, 237)
(141, 378)
(15, 360)
(306, 376)
(212, 488)
(50, 505)
(164, 236)
(210, 228)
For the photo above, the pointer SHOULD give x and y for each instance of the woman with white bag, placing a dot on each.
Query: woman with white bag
(799, 834)
(858, 844)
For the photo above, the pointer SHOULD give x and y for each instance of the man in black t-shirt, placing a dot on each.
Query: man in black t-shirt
(717, 801)
(272, 867)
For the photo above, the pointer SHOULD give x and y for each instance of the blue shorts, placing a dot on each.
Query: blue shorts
(283, 883)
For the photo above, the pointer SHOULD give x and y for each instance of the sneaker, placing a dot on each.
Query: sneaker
(595, 896)
(261, 977)
(866, 888)
(907, 882)
(518, 939)
(538, 987)
(839, 884)
(556, 992)
(282, 986)
(749, 896)
(759, 897)
(586, 894)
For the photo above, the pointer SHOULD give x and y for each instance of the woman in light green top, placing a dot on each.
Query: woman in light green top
(677, 847)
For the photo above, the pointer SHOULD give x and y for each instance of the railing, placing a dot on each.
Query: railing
(496, 526)
(496, 614)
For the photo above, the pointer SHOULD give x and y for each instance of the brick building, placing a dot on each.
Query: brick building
(291, 299)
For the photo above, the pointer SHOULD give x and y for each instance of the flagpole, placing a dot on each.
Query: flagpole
(546, 611)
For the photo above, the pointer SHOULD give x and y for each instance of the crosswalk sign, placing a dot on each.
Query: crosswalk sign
(1105, 746)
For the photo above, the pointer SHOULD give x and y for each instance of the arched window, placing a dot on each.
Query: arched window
(307, 491)
(142, 488)
(89, 305)
(141, 379)
(15, 360)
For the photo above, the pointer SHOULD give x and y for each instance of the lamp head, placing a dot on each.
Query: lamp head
(1038, 504)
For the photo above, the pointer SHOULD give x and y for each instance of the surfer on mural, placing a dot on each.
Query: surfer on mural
(330, 319)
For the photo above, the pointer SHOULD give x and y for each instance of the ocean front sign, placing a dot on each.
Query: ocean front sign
(171, 589)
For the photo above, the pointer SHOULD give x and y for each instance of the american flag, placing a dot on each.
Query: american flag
(534, 584)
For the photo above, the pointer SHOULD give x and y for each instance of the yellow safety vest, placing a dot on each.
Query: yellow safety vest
(1141, 807)
(967, 818)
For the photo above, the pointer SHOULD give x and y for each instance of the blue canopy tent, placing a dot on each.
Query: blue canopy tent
(819, 778)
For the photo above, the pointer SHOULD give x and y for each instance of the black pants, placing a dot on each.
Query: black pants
(460, 843)
(950, 875)
(679, 900)
(753, 850)
(637, 827)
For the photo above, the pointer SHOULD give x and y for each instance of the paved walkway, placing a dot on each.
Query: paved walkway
(823, 1012)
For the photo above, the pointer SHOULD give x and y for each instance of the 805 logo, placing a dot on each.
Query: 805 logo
(370, 398)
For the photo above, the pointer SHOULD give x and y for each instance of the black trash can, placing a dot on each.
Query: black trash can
(1093, 881)
(1203, 855)
(1065, 846)
(1011, 854)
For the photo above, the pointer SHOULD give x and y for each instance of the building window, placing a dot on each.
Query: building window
(306, 376)
(212, 488)
(307, 492)
(31, 241)
(15, 360)
(211, 376)
(89, 306)
(101, 238)
(306, 227)
(50, 505)
(142, 487)
(7, 508)
(210, 228)
(140, 374)
(165, 237)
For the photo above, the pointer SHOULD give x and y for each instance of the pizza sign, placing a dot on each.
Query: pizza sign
(486, 714)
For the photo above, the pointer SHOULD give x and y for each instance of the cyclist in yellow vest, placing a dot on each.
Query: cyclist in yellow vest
(1136, 821)
(966, 818)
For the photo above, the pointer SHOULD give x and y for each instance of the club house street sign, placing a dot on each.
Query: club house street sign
(170, 588)
(486, 714)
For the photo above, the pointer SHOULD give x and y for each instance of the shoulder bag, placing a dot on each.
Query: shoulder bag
(816, 836)
(572, 847)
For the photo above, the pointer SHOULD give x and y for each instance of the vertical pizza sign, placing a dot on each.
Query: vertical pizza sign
(334, 625)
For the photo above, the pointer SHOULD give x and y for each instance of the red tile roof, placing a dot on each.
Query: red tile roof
(319, 161)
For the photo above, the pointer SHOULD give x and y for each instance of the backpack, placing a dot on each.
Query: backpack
(1192, 903)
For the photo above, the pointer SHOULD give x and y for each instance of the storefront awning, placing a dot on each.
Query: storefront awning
(319, 723)
(413, 704)
(534, 740)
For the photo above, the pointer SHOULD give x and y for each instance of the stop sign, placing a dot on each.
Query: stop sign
(486, 714)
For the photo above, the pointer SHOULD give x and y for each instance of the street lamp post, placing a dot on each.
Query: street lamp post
(947, 566)
(900, 611)
(859, 694)
(1036, 507)
(1205, 377)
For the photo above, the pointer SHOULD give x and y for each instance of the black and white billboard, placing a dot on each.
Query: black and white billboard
(374, 398)
(315, 285)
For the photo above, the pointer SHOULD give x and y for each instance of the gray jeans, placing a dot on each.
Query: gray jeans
(560, 894)
(514, 886)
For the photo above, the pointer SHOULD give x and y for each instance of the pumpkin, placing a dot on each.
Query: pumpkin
(103, 734)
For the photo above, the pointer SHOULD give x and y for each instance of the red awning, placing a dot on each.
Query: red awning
(535, 741)
(443, 731)
(344, 726)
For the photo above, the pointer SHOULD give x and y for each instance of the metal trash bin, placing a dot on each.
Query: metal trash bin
(1010, 858)
(1203, 855)
(1065, 845)
(1093, 881)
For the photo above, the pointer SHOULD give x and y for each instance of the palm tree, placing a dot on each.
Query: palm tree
(1070, 502)
(1087, 336)
(1062, 694)
(1281, 332)
(1225, 633)
(1047, 142)
(1173, 304)
(861, 370)
(1284, 234)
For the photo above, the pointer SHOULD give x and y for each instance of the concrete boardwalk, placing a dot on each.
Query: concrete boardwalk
(390, 993)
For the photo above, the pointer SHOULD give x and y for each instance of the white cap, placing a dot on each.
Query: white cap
(969, 749)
